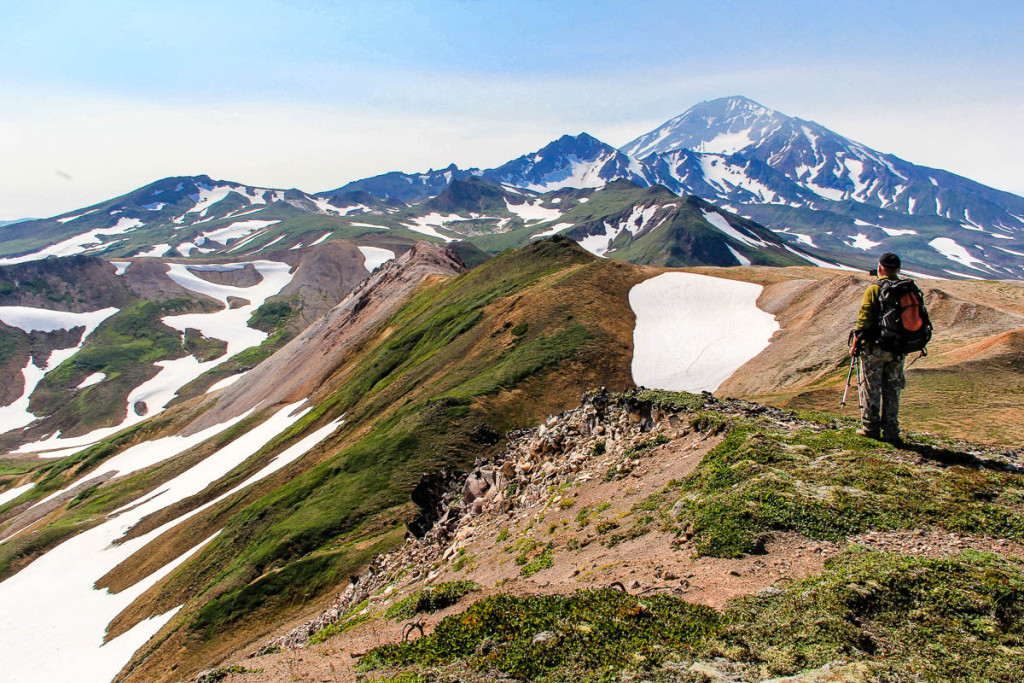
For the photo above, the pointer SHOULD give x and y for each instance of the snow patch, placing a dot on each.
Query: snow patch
(236, 230)
(826, 192)
(94, 378)
(955, 252)
(694, 331)
(425, 225)
(216, 267)
(861, 241)
(817, 261)
(553, 230)
(1011, 251)
(270, 244)
(896, 232)
(599, 243)
(719, 222)
(120, 267)
(45, 320)
(914, 273)
(533, 211)
(226, 382)
(744, 261)
(10, 494)
(375, 257)
(726, 143)
(156, 251)
(963, 275)
(324, 205)
(76, 216)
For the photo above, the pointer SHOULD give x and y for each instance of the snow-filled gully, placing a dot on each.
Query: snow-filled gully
(52, 618)
(693, 331)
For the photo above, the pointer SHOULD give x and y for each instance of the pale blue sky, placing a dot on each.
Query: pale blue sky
(315, 94)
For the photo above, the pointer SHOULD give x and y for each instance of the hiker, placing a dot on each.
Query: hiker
(892, 315)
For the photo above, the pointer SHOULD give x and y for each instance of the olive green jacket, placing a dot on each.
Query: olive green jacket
(870, 310)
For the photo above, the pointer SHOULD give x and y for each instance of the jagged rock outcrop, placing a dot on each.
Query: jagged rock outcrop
(324, 275)
(519, 479)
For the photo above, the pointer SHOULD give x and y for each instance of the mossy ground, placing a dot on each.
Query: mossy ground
(578, 637)
(957, 619)
(431, 599)
(827, 483)
(899, 617)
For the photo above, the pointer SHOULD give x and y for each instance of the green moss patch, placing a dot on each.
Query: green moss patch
(902, 618)
(958, 619)
(829, 485)
(558, 637)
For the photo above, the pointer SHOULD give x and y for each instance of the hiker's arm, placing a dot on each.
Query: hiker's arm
(867, 318)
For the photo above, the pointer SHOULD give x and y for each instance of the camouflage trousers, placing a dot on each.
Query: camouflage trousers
(881, 379)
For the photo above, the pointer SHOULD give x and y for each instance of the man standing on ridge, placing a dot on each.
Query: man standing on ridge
(882, 375)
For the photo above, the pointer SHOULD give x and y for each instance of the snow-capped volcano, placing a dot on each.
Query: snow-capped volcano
(837, 195)
(720, 126)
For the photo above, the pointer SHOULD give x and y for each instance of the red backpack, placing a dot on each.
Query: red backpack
(904, 326)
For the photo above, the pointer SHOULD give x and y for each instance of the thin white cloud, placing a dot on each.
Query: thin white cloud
(377, 121)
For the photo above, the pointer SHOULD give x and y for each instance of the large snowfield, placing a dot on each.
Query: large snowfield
(693, 331)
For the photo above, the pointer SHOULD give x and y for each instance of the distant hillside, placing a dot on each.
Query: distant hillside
(94, 347)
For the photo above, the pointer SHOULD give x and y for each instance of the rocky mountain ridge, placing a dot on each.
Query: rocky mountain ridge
(549, 488)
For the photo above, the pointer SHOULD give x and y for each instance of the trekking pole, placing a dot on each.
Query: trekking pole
(849, 376)
(860, 382)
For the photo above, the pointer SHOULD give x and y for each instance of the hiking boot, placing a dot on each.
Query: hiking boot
(892, 436)
(870, 433)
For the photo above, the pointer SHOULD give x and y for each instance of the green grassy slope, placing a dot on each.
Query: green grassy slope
(463, 362)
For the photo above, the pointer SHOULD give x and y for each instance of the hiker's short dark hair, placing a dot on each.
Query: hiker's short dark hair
(889, 261)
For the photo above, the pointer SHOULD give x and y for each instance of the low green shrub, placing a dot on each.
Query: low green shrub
(431, 599)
